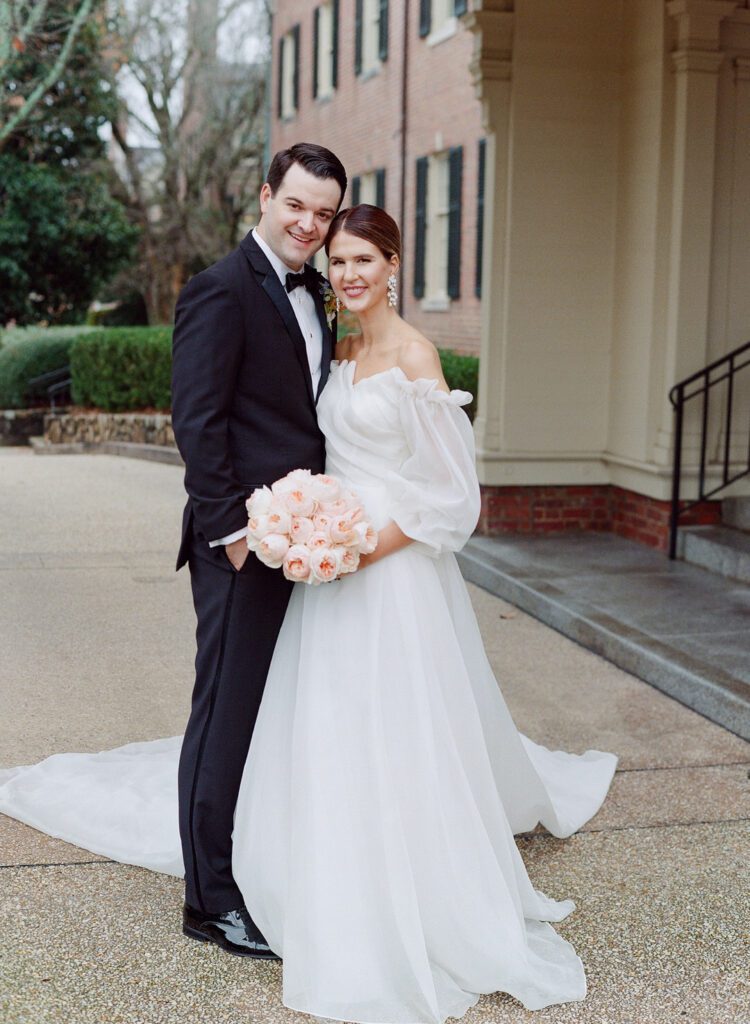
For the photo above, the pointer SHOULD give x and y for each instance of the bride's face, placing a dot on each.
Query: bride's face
(358, 272)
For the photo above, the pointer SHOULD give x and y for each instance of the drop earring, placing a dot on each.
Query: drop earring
(392, 293)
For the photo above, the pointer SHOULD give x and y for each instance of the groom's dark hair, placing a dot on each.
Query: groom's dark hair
(316, 160)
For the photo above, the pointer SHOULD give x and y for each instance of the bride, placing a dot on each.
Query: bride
(373, 832)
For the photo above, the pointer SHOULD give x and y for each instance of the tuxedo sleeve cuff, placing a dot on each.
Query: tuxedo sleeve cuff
(229, 539)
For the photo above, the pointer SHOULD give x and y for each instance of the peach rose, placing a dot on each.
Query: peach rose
(349, 560)
(325, 565)
(368, 538)
(324, 488)
(301, 530)
(318, 540)
(272, 550)
(257, 528)
(321, 522)
(296, 564)
(298, 501)
(342, 527)
(279, 520)
(259, 502)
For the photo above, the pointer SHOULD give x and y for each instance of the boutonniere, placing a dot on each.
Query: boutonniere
(330, 303)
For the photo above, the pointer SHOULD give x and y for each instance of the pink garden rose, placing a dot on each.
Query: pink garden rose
(368, 538)
(322, 523)
(318, 540)
(349, 560)
(272, 550)
(259, 502)
(325, 565)
(301, 530)
(324, 488)
(298, 501)
(297, 563)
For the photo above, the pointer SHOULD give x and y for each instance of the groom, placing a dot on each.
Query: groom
(251, 354)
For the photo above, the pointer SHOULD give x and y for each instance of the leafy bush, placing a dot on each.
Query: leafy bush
(27, 353)
(461, 372)
(123, 368)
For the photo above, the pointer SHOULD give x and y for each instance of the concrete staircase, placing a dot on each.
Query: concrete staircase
(722, 549)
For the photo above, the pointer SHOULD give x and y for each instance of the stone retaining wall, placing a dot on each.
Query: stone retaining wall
(94, 427)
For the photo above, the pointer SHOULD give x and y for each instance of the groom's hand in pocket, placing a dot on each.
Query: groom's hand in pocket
(237, 552)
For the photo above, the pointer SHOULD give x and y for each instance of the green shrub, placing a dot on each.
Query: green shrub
(29, 352)
(123, 368)
(461, 372)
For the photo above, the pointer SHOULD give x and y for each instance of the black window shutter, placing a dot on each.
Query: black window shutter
(281, 76)
(380, 188)
(480, 219)
(356, 183)
(335, 45)
(420, 230)
(316, 46)
(459, 7)
(295, 87)
(383, 30)
(358, 38)
(425, 17)
(455, 163)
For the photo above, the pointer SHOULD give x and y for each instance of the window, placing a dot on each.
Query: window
(437, 258)
(288, 99)
(370, 35)
(325, 49)
(437, 18)
(369, 188)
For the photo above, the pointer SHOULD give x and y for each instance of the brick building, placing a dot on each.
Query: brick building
(386, 85)
(614, 192)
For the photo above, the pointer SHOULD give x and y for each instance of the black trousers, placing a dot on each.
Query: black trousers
(239, 617)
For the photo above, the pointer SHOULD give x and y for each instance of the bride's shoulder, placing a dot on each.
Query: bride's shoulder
(344, 348)
(419, 359)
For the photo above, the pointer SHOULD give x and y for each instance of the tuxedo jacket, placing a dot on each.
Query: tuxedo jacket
(243, 408)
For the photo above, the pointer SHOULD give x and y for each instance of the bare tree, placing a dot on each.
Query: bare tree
(20, 21)
(190, 131)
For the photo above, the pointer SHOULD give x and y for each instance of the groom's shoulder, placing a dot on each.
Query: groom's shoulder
(226, 274)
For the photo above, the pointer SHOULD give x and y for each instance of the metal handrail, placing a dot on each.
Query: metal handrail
(678, 396)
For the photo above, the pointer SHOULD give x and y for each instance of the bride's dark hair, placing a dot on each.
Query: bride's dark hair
(370, 223)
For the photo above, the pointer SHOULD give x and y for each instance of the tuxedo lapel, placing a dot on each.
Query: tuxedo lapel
(328, 342)
(275, 291)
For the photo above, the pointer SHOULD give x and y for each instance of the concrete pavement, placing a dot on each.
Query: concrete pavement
(96, 634)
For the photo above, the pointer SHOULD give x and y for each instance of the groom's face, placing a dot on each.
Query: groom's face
(295, 221)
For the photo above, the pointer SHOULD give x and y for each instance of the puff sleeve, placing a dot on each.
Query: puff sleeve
(435, 492)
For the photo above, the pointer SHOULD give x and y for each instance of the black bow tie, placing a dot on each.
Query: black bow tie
(307, 279)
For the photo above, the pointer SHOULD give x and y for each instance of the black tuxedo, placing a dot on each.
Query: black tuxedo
(243, 413)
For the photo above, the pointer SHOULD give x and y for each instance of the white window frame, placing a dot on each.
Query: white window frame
(325, 51)
(444, 23)
(368, 188)
(370, 36)
(288, 61)
(436, 298)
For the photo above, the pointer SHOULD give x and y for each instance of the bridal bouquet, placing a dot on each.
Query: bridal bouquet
(309, 526)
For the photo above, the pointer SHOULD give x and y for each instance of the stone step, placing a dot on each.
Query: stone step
(736, 512)
(721, 549)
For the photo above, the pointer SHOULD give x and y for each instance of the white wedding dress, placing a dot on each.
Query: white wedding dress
(373, 837)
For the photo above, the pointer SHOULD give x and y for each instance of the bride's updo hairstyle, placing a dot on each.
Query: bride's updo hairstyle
(370, 223)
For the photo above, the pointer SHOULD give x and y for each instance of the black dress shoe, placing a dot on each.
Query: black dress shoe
(235, 931)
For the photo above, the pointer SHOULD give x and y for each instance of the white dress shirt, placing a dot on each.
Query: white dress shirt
(303, 305)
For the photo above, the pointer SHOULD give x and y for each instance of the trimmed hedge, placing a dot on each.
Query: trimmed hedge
(462, 373)
(123, 368)
(29, 352)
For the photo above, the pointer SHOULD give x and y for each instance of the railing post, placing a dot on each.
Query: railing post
(676, 469)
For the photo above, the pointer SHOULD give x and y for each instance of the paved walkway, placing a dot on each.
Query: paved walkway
(682, 628)
(96, 634)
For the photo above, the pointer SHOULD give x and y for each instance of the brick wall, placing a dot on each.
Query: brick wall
(361, 123)
(555, 508)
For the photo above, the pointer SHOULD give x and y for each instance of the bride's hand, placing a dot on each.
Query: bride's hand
(390, 539)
